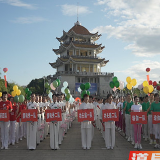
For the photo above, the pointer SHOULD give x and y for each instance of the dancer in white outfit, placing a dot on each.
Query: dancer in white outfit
(32, 126)
(86, 127)
(54, 126)
(109, 126)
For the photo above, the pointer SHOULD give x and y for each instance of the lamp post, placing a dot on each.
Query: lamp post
(44, 84)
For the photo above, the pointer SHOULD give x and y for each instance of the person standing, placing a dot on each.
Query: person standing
(12, 128)
(110, 125)
(54, 126)
(137, 127)
(32, 126)
(86, 127)
(5, 105)
(155, 107)
(126, 109)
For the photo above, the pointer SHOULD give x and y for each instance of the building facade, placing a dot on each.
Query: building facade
(78, 61)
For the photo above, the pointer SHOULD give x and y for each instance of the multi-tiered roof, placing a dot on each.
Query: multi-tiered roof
(79, 38)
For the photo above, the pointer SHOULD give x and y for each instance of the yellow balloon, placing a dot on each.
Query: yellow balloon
(145, 83)
(151, 88)
(129, 86)
(134, 82)
(0, 94)
(128, 79)
(13, 93)
(18, 92)
(15, 87)
(146, 89)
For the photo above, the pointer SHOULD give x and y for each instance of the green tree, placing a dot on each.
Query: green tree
(36, 86)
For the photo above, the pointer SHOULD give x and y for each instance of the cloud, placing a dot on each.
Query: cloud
(138, 23)
(138, 70)
(28, 20)
(71, 10)
(18, 3)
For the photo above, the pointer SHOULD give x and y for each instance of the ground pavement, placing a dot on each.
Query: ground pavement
(71, 148)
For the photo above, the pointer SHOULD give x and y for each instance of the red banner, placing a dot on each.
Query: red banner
(85, 115)
(110, 115)
(138, 117)
(155, 117)
(29, 115)
(144, 155)
(4, 115)
(53, 115)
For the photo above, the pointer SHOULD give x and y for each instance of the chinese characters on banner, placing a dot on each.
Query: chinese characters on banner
(144, 155)
(110, 115)
(4, 115)
(155, 117)
(53, 115)
(138, 117)
(29, 115)
(85, 115)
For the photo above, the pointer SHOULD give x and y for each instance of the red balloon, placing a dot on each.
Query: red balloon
(148, 69)
(158, 88)
(150, 82)
(154, 83)
(5, 69)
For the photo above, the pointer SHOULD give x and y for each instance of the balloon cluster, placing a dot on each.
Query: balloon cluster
(66, 91)
(16, 94)
(52, 86)
(114, 82)
(130, 82)
(147, 88)
(154, 85)
(84, 89)
(28, 93)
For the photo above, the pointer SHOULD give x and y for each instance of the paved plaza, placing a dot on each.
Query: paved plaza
(71, 148)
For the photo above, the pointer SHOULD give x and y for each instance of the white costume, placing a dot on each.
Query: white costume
(54, 129)
(86, 129)
(31, 128)
(109, 128)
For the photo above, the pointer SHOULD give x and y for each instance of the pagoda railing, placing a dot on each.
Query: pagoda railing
(84, 73)
(75, 56)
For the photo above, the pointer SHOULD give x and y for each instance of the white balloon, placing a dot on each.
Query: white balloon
(62, 89)
(50, 95)
(79, 89)
(65, 84)
(140, 86)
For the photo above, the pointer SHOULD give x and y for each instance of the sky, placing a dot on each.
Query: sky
(130, 33)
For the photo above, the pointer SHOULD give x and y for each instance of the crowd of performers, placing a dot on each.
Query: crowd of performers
(35, 132)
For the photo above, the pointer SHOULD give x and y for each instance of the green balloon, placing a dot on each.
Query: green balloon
(111, 84)
(21, 98)
(87, 85)
(117, 84)
(82, 95)
(82, 86)
(55, 84)
(84, 92)
(115, 79)
(16, 99)
(28, 98)
(67, 99)
(29, 93)
(46, 85)
(26, 90)
(58, 81)
(68, 95)
(48, 91)
(88, 92)
(66, 91)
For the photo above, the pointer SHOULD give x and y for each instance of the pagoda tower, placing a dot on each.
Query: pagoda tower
(78, 61)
